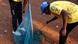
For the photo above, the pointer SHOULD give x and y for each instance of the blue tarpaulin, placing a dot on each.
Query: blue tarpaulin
(23, 34)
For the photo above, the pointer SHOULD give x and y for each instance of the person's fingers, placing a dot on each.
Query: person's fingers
(23, 10)
(47, 22)
(63, 32)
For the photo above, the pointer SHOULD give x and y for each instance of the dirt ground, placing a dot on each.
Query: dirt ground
(6, 25)
(36, 13)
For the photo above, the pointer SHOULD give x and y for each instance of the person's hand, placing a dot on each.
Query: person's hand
(23, 10)
(63, 32)
(47, 22)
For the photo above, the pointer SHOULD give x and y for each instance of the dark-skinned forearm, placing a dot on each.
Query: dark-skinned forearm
(54, 18)
(65, 18)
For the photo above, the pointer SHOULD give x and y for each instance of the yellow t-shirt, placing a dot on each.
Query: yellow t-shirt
(17, 0)
(57, 6)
